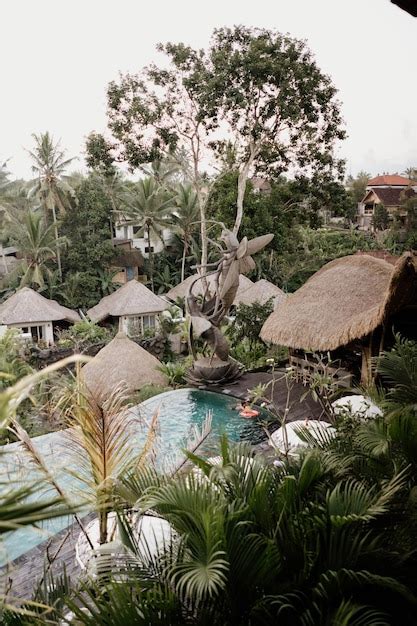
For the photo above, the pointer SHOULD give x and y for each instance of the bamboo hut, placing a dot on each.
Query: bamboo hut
(349, 307)
(134, 306)
(122, 363)
(181, 290)
(34, 314)
(261, 292)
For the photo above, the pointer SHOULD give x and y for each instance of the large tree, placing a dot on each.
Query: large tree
(254, 96)
(277, 108)
(50, 187)
(156, 114)
(90, 250)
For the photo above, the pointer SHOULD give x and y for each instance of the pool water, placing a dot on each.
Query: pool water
(179, 411)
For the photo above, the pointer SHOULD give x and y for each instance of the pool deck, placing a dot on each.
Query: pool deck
(280, 394)
(22, 575)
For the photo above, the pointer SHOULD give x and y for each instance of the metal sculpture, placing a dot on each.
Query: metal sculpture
(220, 282)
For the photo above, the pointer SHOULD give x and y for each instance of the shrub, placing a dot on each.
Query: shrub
(249, 320)
(174, 372)
(251, 355)
(83, 333)
(148, 391)
(13, 364)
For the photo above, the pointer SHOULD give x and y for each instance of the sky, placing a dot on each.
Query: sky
(58, 57)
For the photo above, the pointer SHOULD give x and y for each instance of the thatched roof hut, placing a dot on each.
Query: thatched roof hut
(261, 292)
(121, 362)
(345, 300)
(26, 307)
(131, 299)
(181, 290)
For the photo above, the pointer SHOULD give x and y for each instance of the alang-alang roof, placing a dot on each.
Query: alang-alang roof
(121, 362)
(27, 306)
(131, 299)
(345, 300)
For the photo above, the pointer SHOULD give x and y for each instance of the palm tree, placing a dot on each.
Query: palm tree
(53, 191)
(36, 242)
(115, 188)
(149, 208)
(259, 545)
(186, 218)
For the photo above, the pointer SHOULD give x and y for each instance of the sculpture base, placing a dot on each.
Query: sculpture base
(213, 371)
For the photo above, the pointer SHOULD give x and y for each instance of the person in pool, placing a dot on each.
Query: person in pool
(246, 411)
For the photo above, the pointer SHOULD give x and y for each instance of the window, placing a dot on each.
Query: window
(137, 325)
(147, 249)
(369, 209)
(148, 322)
(37, 332)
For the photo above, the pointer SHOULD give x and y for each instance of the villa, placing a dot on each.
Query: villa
(36, 315)
(133, 307)
(390, 191)
(128, 261)
(349, 309)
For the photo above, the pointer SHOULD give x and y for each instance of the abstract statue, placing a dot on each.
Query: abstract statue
(220, 283)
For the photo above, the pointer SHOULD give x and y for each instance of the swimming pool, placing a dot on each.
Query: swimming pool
(179, 411)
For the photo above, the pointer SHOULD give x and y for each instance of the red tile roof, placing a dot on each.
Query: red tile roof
(393, 179)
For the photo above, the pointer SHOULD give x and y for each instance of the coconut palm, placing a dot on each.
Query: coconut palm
(186, 218)
(261, 545)
(37, 244)
(398, 367)
(51, 187)
(115, 187)
(149, 207)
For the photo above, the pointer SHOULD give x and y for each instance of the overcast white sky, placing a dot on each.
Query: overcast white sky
(57, 58)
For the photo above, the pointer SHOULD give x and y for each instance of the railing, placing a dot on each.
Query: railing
(306, 369)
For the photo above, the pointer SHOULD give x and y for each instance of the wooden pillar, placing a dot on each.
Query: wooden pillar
(366, 368)
(366, 365)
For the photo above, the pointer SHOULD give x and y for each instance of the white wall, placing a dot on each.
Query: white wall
(126, 231)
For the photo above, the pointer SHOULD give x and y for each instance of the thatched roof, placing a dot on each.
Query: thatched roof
(344, 301)
(27, 306)
(181, 290)
(261, 292)
(131, 299)
(121, 363)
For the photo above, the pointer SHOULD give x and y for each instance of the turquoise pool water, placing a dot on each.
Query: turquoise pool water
(179, 412)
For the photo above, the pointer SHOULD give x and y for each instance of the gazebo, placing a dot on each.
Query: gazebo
(349, 308)
(32, 313)
(134, 306)
(261, 292)
(122, 363)
(181, 290)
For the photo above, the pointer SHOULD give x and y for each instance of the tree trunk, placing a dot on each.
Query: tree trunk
(102, 516)
(184, 254)
(203, 232)
(58, 254)
(148, 228)
(241, 186)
